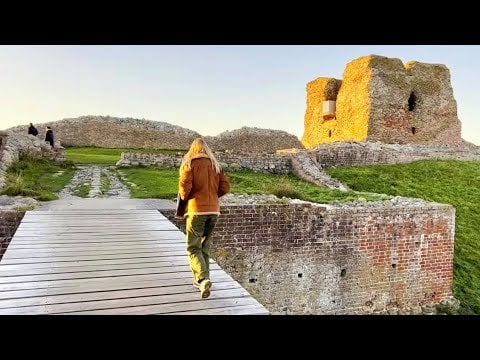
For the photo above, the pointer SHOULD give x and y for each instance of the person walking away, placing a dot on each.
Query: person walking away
(49, 136)
(201, 183)
(32, 130)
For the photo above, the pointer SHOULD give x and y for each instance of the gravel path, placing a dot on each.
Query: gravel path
(91, 176)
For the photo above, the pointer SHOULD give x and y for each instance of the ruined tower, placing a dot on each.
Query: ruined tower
(381, 99)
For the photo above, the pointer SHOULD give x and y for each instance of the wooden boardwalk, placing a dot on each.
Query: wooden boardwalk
(108, 262)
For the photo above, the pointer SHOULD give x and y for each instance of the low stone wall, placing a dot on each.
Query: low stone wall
(326, 155)
(13, 145)
(9, 221)
(367, 153)
(271, 163)
(308, 259)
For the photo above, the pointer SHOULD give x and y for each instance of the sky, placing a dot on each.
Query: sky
(208, 89)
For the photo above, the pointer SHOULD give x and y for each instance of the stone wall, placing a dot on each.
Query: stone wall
(275, 164)
(9, 221)
(13, 145)
(253, 140)
(112, 132)
(307, 259)
(381, 99)
(356, 154)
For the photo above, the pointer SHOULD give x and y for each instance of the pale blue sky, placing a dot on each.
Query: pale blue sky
(208, 89)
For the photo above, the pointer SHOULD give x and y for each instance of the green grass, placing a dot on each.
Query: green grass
(157, 183)
(104, 183)
(451, 182)
(151, 182)
(105, 156)
(24, 208)
(82, 190)
(37, 178)
(247, 182)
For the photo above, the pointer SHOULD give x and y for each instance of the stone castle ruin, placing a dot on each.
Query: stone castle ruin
(381, 99)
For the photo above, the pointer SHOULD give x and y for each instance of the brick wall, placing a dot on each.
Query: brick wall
(9, 221)
(304, 259)
(276, 164)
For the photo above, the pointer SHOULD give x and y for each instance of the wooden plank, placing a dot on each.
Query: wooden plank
(95, 239)
(81, 222)
(189, 301)
(62, 264)
(5, 272)
(23, 268)
(98, 274)
(95, 211)
(36, 253)
(132, 214)
(106, 286)
(68, 230)
(164, 235)
(87, 232)
(55, 248)
(6, 261)
(229, 310)
(79, 217)
(115, 250)
(30, 260)
(99, 245)
(49, 299)
(82, 248)
(27, 257)
(95, 281)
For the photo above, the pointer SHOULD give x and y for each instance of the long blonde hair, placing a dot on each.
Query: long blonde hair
(199, 148)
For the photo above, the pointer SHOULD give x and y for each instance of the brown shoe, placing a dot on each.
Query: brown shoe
(205, 286)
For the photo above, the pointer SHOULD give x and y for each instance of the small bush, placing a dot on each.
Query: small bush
(45, 196)
(25, 208)
(285, 189)
(16, 186)
(18, 167)
(68, 164)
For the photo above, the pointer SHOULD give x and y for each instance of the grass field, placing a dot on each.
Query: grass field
(104, 156)
(157, 183)
(451, 182)
(37, 178)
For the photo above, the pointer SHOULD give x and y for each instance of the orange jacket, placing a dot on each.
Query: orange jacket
(202, 186)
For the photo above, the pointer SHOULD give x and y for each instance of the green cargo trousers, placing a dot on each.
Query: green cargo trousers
(199, 230)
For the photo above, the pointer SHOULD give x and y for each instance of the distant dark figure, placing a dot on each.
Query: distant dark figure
(32, 130)
(49, 136)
